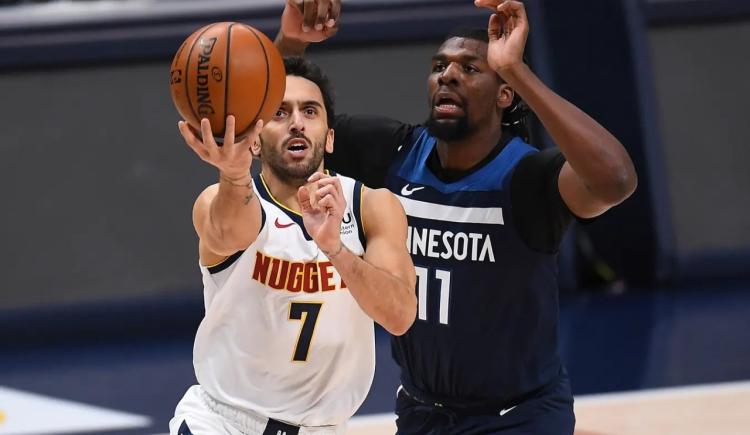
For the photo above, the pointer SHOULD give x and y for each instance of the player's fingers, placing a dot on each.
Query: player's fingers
(229, 130)
(206, 134)
(192, 141)
(189, 135)
(309, 13)
(316, 177)
(488, 4)
(334, 13)
(509, 24)
(332, 186)
(519, 13)
(327, 202)
(303, 196)
(322, 16)
(325, 190)
(335, 182)
(324, 178)
(512, 8)
(494, 27)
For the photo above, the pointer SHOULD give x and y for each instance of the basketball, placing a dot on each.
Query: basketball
(227, 69)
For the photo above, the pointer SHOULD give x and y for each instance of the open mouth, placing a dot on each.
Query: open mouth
(447, 104)
(297, 146)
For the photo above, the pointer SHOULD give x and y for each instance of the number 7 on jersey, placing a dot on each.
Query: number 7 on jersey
(307, 312)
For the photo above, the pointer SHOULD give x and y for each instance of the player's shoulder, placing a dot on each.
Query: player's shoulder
(544, 163)
(379, 202)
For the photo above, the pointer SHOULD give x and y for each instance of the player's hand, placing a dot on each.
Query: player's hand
(323, 220)
(508, 30)
(310, 20)
(233, 158)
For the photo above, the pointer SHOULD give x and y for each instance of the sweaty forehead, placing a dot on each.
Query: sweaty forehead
(463, 47)
(300, 90)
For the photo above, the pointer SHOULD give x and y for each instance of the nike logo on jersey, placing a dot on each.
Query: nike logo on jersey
(407, 192)
(280, 225)
(506, 410)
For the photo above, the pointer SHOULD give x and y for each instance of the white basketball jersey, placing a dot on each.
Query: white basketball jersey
(282, 336)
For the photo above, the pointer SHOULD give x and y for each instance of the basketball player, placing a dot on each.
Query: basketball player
(296, 264)
(486, 214)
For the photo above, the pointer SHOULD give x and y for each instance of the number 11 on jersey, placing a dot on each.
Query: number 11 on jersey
(423, 277)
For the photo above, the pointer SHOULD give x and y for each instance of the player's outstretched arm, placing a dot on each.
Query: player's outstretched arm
(304, 22)
(599, 173)
(383, 281)
(226, 215)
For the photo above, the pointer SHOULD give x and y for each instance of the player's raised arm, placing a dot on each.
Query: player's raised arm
(226, 215)
(306, 21)
(598, 173)
(383, 281)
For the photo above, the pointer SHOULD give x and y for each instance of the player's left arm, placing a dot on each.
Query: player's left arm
(382, 282)
(389, 288)
(599, 173)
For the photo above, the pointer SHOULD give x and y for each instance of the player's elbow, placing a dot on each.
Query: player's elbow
(620, 185)
(404, 317)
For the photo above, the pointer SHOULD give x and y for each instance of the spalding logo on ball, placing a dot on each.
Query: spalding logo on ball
(227, 69)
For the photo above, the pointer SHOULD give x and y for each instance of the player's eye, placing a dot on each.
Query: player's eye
(311, 112)
(438, 67)
(280, 114)
(471, 69)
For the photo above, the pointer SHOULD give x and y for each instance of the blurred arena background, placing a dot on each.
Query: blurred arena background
(101, 295)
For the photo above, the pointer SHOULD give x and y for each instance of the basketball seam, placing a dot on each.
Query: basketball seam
(187, 73)
(226, 80)
(268, 70)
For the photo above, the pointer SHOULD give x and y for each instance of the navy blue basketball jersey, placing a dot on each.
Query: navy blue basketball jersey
(486, 326)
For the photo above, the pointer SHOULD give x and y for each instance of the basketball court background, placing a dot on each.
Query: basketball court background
(100, 290)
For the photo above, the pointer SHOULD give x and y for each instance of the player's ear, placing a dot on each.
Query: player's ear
(329, 140)
(505, 96)
(256, 146)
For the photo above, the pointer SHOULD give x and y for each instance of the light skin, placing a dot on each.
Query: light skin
(227, 215)
(478, 80)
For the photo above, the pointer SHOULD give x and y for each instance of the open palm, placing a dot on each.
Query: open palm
(508, 30)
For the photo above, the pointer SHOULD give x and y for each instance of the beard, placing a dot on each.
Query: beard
(448, 129)
(296, 172)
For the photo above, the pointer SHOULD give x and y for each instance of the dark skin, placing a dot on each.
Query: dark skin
(306, 21)
(598, 173)
(479, 79)
(460, 72)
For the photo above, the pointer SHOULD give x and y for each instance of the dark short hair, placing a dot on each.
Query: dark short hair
(476, 33)
(301, 67)
(515, 117)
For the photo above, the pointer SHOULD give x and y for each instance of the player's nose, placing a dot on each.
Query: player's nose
(297, 121)
(449, 74)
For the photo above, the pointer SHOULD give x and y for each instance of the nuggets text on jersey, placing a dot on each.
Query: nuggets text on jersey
(296, 276)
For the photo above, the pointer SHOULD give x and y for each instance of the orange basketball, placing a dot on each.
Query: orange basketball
(227, 69)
